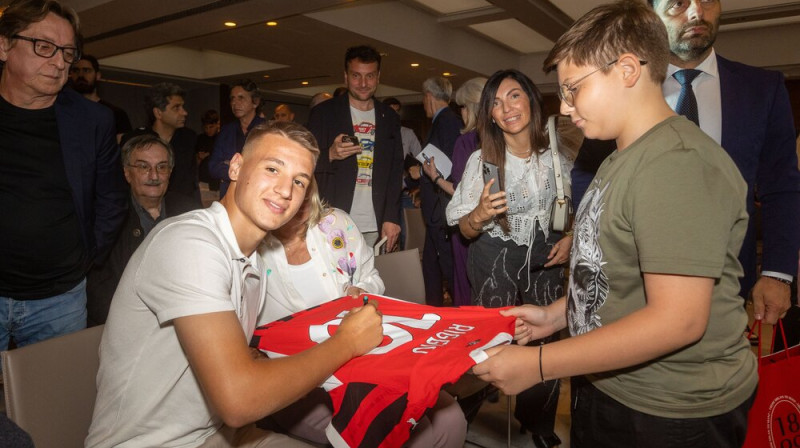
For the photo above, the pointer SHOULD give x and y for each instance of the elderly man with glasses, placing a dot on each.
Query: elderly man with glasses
(61, 187)
(148, 162)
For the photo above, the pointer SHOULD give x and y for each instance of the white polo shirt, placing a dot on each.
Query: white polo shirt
(147, 393)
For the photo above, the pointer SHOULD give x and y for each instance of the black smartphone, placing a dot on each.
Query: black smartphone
(490, 172)
(351, 138)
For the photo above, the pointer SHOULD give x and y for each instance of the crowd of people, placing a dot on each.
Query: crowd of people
(640, 302)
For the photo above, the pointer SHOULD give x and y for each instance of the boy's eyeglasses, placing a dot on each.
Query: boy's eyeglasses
(566, 92)
(46, 49)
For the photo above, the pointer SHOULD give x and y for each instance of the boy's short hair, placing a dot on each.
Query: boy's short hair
(210, 116)
(287, 129)
(607, 31)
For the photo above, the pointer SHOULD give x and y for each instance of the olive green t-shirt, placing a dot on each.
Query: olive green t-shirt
(673, 202)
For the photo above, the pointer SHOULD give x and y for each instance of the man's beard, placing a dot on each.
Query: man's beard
(692, 48)
(83, 86)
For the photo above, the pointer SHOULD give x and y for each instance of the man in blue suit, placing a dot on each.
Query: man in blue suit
(747, 110)
(61, 187)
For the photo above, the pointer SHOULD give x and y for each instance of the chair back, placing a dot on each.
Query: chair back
(401, 273)
(50, 387)
(415, 229)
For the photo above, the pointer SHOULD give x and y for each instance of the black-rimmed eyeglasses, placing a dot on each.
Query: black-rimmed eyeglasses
(47, 49)
(567, 91)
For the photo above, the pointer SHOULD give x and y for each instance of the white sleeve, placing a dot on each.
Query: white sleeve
(468, 192)
(199, 284)
(366, 277)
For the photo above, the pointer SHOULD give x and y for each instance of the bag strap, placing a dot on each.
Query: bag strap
(551, 128)
(757, 325)
(783, 335)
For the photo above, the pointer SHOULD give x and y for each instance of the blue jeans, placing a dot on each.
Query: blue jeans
(29, 321)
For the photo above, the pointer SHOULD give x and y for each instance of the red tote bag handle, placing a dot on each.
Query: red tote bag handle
(757, 325)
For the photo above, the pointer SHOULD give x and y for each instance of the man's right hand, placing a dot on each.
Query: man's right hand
(341, 149)
(361, 329)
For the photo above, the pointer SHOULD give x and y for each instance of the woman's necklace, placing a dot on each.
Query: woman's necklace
(526, 158)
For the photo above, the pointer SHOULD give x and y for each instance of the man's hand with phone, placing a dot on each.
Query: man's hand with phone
(343, 146)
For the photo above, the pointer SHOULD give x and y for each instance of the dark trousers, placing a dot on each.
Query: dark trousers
(599, 421)
(503, 274)
(437, 264)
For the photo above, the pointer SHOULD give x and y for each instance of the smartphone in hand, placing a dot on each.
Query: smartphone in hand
(351, 138)
(490, 172)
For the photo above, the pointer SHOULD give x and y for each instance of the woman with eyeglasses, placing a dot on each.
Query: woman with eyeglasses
(514, 257)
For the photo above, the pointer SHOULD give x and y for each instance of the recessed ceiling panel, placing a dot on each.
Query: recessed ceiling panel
(514, 34)
(577, 8)
(188, 63)
(451, 6)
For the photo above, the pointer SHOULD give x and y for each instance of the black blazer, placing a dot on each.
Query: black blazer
(337, 179)
(103, 278)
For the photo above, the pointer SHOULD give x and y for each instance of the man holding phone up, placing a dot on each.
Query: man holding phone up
(360, 169)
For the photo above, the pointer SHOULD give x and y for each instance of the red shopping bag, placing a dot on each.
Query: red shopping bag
(774, 419)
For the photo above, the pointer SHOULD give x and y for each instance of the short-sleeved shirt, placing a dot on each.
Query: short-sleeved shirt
(673, 202)
(147, 392)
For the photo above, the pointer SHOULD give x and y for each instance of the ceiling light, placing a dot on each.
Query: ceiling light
(447, 74)
(272, 23)
(266, 76)
(305, 83)
(415, 64)
(230, 24)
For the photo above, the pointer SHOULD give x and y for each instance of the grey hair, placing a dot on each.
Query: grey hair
(143, 141)
(439, 87)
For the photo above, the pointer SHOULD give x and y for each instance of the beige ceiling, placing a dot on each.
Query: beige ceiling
(187, 38)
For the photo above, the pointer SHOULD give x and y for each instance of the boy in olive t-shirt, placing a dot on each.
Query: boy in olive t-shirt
(653, 307)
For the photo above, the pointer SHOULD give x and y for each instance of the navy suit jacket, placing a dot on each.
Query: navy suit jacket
(444, 132)
(758, 133)
(337, 179)
(94, 172)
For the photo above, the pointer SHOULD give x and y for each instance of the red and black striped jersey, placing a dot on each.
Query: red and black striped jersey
(378, 398)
